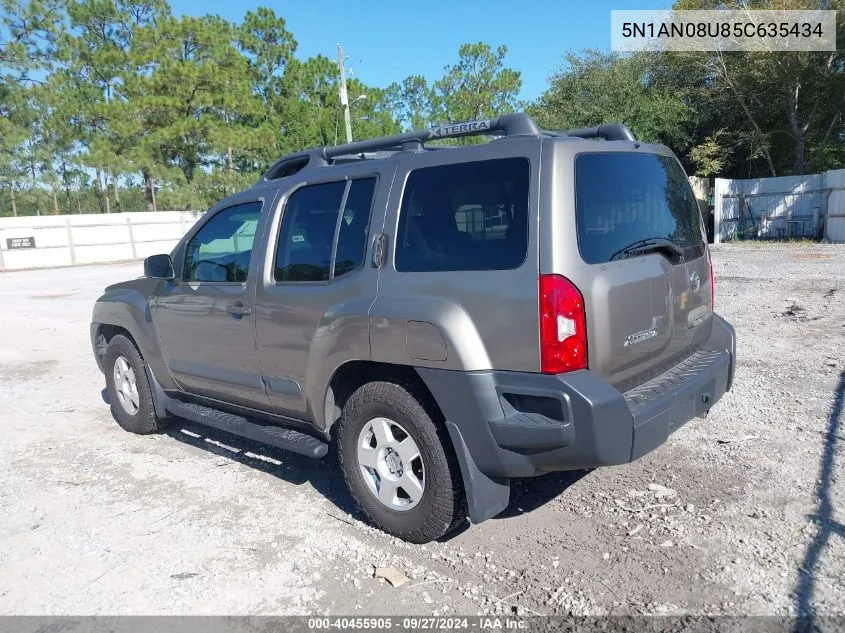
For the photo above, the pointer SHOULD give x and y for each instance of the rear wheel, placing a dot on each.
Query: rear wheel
(129, 390)
(398, 463)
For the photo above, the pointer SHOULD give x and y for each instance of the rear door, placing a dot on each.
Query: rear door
(640, 231)
(318, 282)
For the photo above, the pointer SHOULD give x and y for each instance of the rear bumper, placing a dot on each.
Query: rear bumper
(513, 424)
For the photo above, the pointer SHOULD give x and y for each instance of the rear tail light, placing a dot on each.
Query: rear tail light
(712, 282)
(563, 326)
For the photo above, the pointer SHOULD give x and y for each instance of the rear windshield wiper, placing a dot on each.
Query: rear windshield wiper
(649, 245)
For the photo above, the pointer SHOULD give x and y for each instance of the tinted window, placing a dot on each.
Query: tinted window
(221, 249)
(304, 251)
(622, 198)
(466, 216)
(352, 236)
(309, 224)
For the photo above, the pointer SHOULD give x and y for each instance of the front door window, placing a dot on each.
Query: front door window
(221, 250)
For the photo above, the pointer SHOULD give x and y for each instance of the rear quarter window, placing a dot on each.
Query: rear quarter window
(464, 216)
(624, 197)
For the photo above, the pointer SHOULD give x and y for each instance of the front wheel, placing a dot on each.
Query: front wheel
(129, 390)
(398, 463)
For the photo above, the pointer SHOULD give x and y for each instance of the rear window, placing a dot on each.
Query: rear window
(465, 216)
(622, 198)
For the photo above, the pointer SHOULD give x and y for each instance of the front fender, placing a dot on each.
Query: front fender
(127, 306)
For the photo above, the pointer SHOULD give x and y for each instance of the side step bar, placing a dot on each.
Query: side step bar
(288, 439)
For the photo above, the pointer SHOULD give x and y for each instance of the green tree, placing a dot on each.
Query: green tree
(269, 47)
(478, 86)
(188, 106)
(15, 123)
(264, 39)
(97, 64)
(783, 109)
(595, 88)
(414, 103)
(372, 116)
(27, 36)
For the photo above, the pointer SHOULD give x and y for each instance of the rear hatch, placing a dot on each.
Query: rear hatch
(648, 299)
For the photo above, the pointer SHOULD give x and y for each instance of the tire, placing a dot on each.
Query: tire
(143, 419)
(409, 412)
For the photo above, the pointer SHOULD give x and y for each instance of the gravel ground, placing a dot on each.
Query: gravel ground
(739, 513)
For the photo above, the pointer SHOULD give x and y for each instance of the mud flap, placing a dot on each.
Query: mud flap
(486, 497)
(160, 399)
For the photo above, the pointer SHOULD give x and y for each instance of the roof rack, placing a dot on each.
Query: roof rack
(508, 124)
(609, 132)
(519, 124)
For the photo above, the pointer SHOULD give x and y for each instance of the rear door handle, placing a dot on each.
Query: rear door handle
(239, 310)
(379, 247)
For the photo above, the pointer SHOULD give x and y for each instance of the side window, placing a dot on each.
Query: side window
(352, 237)
(317, 227)
(221, 249)
(466, 216)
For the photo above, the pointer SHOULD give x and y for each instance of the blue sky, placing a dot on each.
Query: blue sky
(388, 40)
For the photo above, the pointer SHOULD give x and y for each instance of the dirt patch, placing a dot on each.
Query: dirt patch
(55, 296)
(24, 372)
(810, 256)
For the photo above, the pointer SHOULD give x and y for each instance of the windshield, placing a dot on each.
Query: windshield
(623, 198)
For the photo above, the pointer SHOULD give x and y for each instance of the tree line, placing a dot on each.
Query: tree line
(110, 105)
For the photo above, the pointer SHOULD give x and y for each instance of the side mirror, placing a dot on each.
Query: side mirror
(159, 267)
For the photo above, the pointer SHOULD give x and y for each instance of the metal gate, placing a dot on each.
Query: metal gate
(787, 207)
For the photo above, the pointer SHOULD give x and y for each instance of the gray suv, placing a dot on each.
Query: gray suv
(453, 316)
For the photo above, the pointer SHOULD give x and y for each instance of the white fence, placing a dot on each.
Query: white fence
(66, 240)
(835, 226)
(811, 206)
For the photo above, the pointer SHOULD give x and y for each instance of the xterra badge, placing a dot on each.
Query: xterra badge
(470, 127)
(639, 337)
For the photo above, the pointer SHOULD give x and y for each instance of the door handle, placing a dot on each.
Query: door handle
(238, 310)
(379, 248)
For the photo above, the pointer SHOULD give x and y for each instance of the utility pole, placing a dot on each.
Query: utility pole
(344, 97)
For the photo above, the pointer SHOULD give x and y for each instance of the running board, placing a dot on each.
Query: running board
(288, 439)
